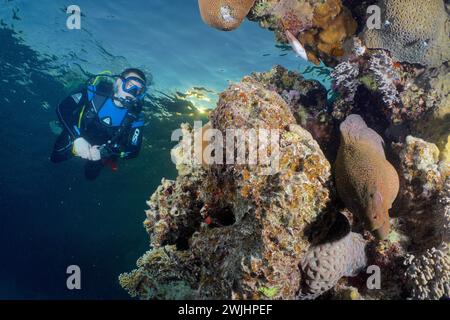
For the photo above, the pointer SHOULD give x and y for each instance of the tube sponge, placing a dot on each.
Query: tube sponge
(224, 14)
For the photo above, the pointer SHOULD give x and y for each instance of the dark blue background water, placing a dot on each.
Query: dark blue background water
(50, 217)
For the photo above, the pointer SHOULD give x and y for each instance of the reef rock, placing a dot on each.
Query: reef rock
(365, 180)
(307, 100)
(435, 126)
(224, 14)
(413, 31)
(237, 230)
(421, 182)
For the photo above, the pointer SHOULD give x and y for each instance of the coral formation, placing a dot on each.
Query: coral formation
(428, 275)
(324, 265)
(248, 230)
(422, 223)
(158, 276)
(413, 31)
(386, 92)
(235, 231)
(321, 26)
(365, 180)
(307, 100)
(232, 231)
(224, 14)
(421, 182)
(435, 126)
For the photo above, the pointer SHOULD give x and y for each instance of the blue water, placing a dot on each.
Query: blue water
(50, 217)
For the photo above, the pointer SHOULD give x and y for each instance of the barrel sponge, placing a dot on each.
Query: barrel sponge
(224, 14)
(414, 31)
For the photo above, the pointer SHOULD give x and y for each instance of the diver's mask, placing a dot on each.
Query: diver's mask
(129, 91)
(134, 86)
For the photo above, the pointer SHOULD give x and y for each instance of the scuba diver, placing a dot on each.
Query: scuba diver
(102, 123)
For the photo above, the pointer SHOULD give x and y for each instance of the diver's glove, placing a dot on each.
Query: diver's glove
(82, 148)
(95, 153)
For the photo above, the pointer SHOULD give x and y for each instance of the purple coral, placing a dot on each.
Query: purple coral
(385, 76)
(325, 264)
(345, 77)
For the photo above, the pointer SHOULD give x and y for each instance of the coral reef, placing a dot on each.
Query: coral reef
(281, 229)
(386, 92)
(365, 180)
(428, 275)
(252, 231)
(413, 31)
(321, 26)
(324, 265)
(231, 230)
(224, 14)
(435, 126)
(307, 100)
(414, 261)
(421, 184)
(159, 277)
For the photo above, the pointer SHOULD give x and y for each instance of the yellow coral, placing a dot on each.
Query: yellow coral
(325, 12)
(224, 14)
(339, 28)
(333, 23)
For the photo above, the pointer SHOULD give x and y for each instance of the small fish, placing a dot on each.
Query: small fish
(296, 46)
(45, 105)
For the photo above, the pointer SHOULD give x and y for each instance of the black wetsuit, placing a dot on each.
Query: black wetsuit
(95, 117)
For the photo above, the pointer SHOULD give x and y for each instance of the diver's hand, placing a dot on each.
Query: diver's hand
(95, 153)
(82, 148)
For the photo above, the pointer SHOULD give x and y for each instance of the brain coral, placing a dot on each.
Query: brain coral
(325, 264)
(228, 231)
(224, 14)
(414, 31)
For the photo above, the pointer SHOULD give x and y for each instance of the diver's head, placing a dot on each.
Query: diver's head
(131, 85)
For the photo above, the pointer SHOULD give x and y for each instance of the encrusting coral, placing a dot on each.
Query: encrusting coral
(307, 100)
(422, 182)
(413, 31)
(324, 265)
(237, 232)
(365, 180)
(224, 14)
